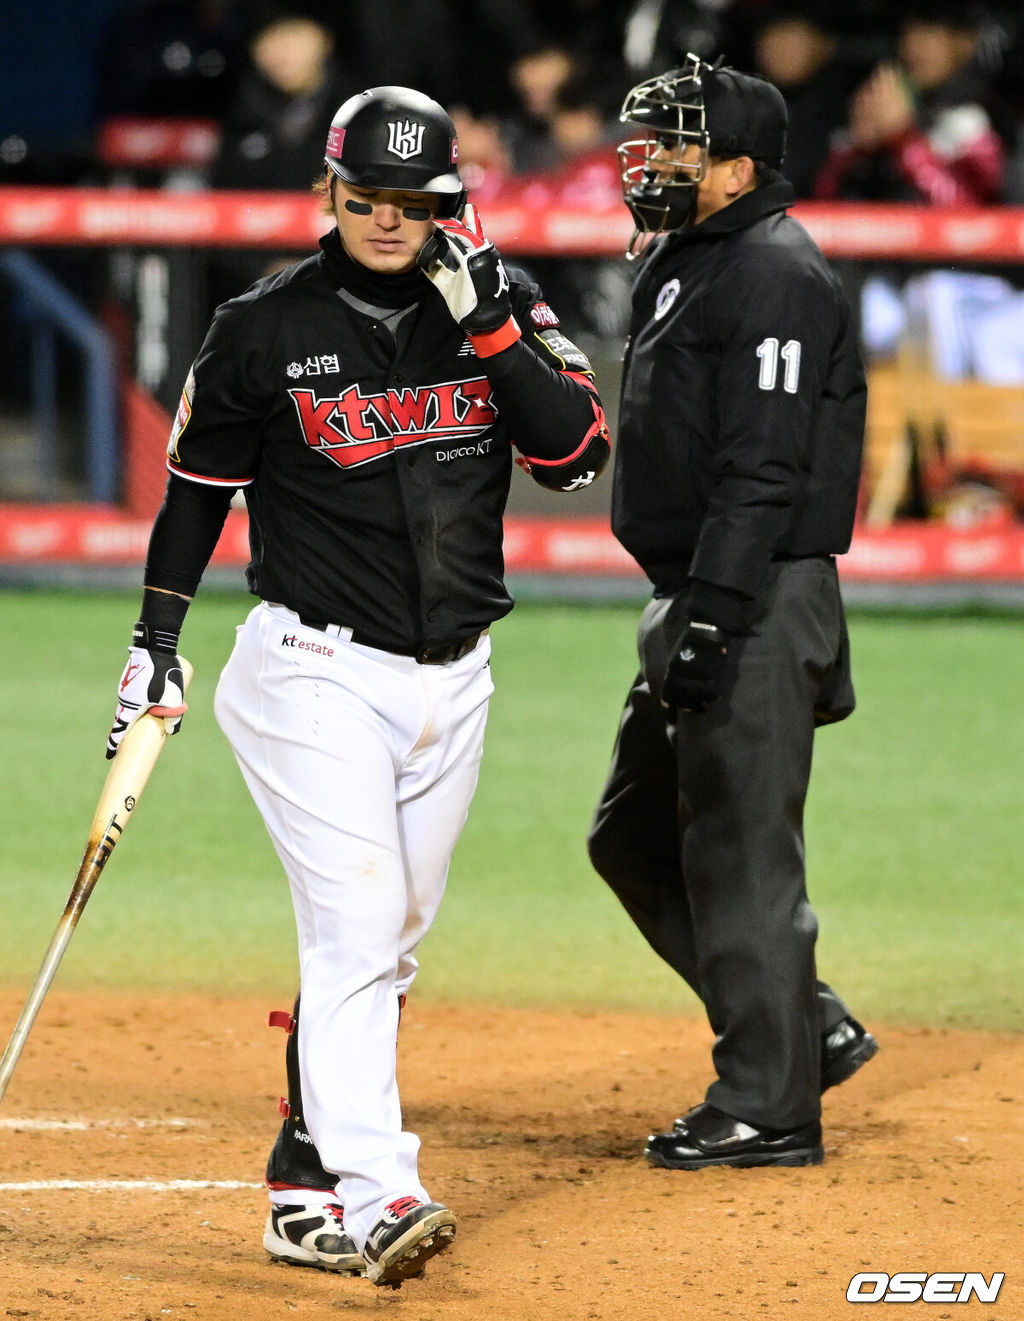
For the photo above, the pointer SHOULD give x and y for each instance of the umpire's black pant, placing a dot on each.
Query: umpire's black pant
(699, 832)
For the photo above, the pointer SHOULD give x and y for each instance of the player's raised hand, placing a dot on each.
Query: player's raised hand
(151, 681)
(467, 270)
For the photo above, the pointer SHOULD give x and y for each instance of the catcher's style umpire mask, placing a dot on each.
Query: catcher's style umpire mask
(719, 110)
(397, 139)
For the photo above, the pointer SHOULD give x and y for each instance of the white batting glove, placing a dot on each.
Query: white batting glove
(151, 681)
(466, 269)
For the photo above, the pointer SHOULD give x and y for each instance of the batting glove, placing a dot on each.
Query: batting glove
(696, 672)
(152, 681)
(467, 271)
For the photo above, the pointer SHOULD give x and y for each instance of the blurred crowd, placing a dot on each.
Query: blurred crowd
(917, 101)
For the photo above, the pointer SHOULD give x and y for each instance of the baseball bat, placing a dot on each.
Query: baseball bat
(125, 781)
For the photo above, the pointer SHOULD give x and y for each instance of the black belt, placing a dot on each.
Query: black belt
(442, 655)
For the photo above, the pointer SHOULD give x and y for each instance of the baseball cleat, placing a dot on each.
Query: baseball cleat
(404, 1239)
(844, 1050)
(708, 1136)
(312, 1236)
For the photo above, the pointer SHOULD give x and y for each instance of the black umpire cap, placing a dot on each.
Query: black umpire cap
(744, 115)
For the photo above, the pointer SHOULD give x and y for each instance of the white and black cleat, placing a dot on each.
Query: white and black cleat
(404, 1239)
(312, 1236)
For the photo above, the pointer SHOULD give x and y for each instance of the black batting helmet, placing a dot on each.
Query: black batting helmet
(721, 111)
(397, 138)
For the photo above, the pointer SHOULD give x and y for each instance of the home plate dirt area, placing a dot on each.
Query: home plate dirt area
(134, 1133)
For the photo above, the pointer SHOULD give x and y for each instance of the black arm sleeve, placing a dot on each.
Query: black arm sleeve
(556, 419)
(185, 533)
(548, 413)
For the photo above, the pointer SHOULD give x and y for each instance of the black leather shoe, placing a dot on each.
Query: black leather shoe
(844, 1050)
(848, 1046)
(707, 1136)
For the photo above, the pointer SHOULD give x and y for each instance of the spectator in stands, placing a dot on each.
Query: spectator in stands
(485, 161)
(567, 107)
(657, 34)
(582, 120)
(797, 47)
(593, 31)
(568, 129)
(918, 129)
(275, 129)
(176, 58)
(457, 51)
(537, 79)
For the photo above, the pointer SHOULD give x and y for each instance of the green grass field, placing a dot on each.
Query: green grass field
(914, 824)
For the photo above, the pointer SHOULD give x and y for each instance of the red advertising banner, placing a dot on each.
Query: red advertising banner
(97, 535)
(578, 214)
(149, 217)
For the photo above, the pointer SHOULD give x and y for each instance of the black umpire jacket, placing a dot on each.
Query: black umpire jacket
(742, 417)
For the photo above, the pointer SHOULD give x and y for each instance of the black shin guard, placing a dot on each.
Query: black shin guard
(294, 1161)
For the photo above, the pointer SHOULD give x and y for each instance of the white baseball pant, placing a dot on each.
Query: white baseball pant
(363, 765)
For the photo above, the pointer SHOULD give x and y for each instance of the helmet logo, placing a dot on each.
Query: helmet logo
(405, 138)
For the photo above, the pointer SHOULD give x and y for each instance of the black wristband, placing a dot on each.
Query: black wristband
(159, 624)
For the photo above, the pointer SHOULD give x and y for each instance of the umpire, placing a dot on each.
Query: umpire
(735, 485)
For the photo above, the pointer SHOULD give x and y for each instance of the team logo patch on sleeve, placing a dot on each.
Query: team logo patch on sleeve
(542, 315)
(568, 356)
(181, 417)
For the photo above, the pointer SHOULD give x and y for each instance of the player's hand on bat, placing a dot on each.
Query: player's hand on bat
(152, 681)
(696, 673)
(466, 269)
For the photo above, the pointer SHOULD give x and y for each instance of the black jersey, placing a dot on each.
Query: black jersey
(374, 447)
(742, 419)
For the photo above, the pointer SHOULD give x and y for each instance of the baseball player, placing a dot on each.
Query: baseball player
(366, 400)
(735, 487)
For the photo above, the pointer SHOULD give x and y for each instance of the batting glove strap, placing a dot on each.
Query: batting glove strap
(696, 672)
(151, 638)
(486, 346)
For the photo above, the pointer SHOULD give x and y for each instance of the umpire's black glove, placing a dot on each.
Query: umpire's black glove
(696, 672)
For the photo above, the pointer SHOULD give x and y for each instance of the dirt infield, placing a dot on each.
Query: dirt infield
(532, 1126)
